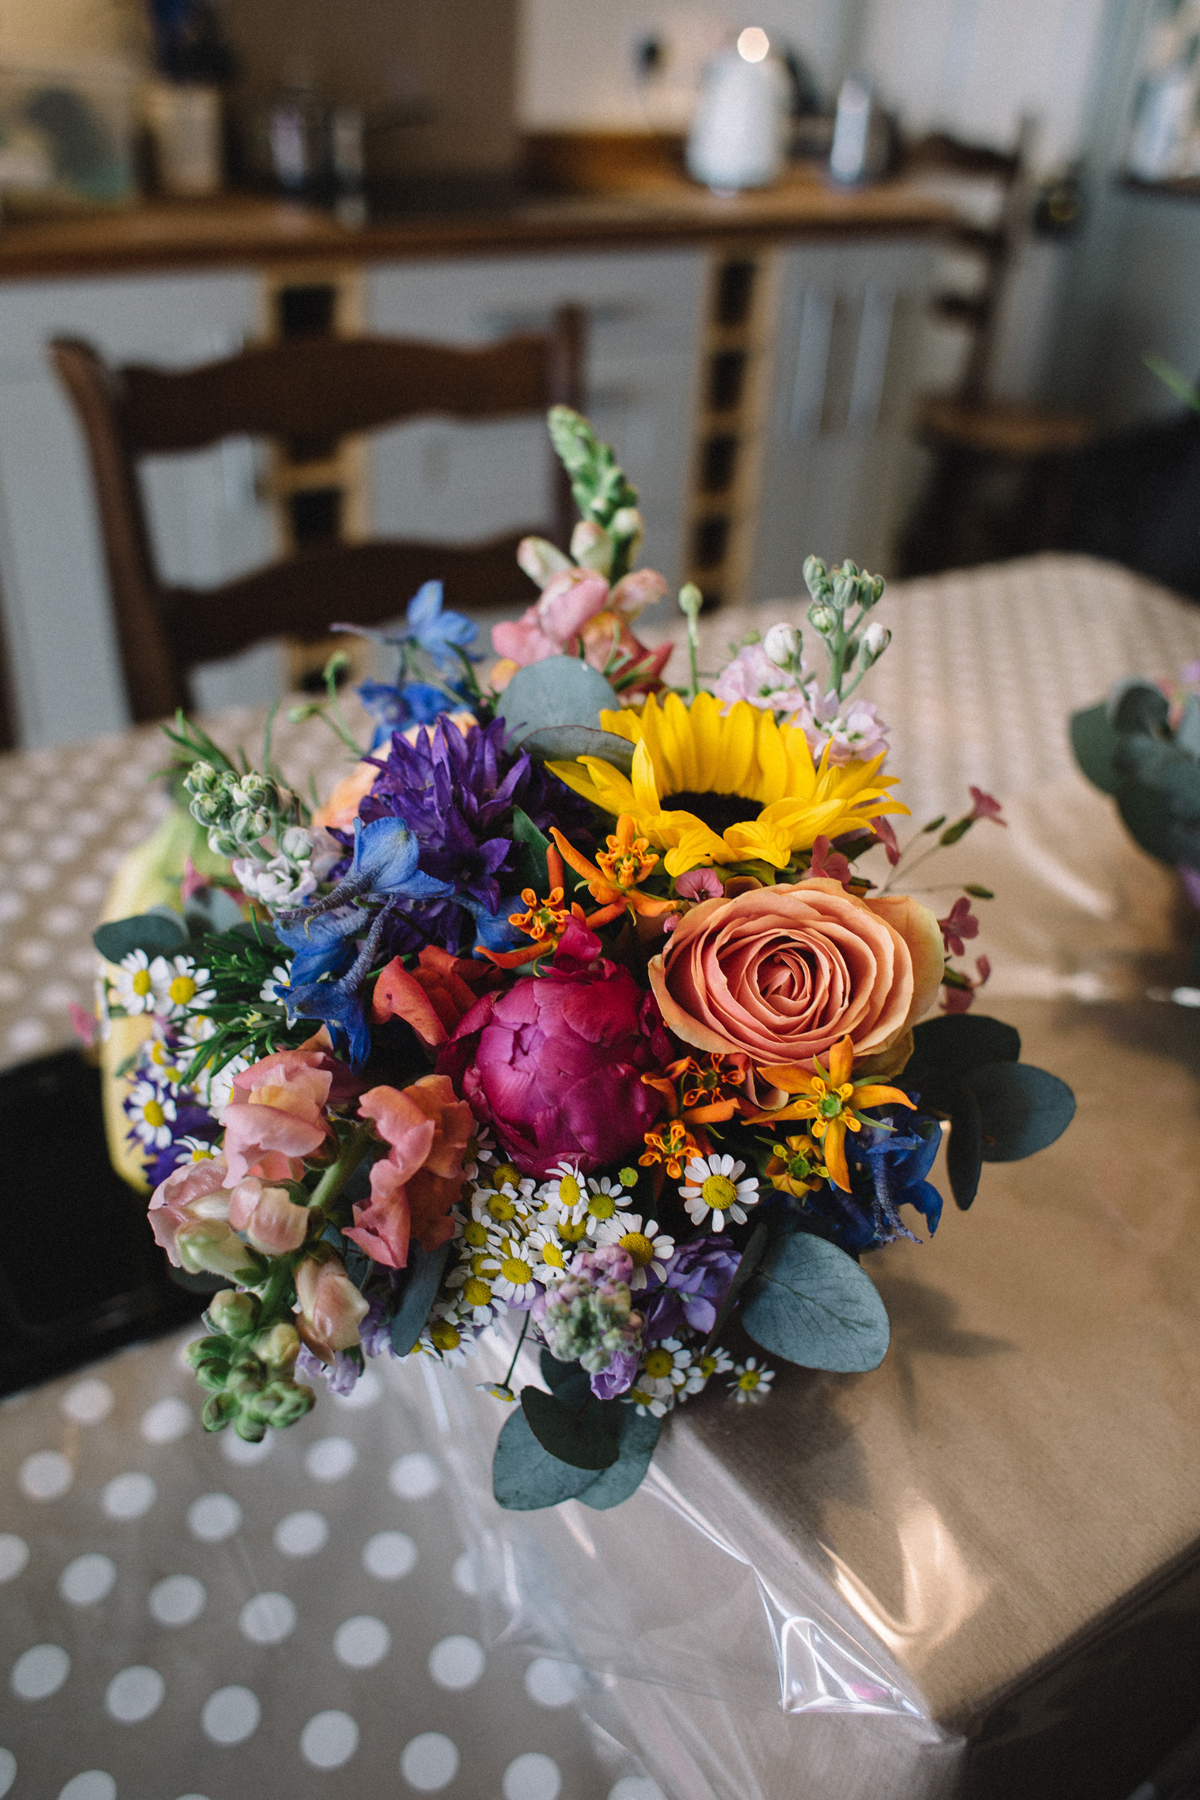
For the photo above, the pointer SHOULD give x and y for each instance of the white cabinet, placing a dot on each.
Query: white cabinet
(471, 481)
(839, 407)
(206, 520)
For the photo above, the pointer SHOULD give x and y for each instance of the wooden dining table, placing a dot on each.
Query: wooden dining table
(975, 1571)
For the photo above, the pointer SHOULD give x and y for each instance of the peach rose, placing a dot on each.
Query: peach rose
(780, 974)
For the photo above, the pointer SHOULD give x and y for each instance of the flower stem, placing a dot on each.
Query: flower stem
(338, 1174)
(512, 1365)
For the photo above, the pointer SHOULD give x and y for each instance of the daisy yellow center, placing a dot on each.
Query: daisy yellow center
(749, 1381)
(141, 983)
(476, 1292)
(501, 1207)
(182, 989)
(516, 1270)
(658, 1364)
(483, 1264)
(443, 1336)
(553, 1255)
(707, 1365)
(568, 1191)
(475, 1234)
(572, 1231)
(153, 1114)
(637, 1245)
(505, 1175)
(602, 1206)
(719, 1193)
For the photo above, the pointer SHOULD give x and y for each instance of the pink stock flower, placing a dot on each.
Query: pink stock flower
(852, 733)
(958, 924)
(277, 1113)
(554, 1065)
(267, 1217)
(697, 884)
(754, 677)
(331, 1307)
(961, 999)
(984, 807)
(427, 1129)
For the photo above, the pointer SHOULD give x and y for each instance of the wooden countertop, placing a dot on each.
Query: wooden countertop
(159, 234)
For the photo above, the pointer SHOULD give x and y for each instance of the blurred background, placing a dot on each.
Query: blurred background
(870, 278)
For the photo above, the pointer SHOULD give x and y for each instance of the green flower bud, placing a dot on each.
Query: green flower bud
(236, 1314)
(823, 619)
(251, 1431)
(279, 1347)
(210, 1247)
(217, 1411)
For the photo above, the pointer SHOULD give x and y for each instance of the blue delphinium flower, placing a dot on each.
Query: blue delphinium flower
(888, 1170)
(395, 707)
(439, 633)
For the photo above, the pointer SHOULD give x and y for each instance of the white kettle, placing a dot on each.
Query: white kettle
(739, 132)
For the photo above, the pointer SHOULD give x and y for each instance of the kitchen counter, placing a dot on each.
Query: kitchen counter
(164, 234)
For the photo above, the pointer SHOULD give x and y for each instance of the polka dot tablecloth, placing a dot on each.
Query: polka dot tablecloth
(187, 1617)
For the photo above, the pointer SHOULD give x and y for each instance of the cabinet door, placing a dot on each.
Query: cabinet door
(839, 399)
(205, 519)
(441, 479)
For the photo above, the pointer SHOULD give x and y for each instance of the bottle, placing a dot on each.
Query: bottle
(739, 131)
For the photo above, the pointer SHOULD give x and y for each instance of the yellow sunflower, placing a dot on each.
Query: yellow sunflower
(708, 787)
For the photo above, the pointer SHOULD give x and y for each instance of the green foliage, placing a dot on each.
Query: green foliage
(526, 1473)
(531, 868)
(423, 1278)
(813, 1305)
(561, 691)
(525, 1476)
(158, 933)
(1128, 749)
(573, 1434)
(752, 1255)
(1022, 1109)
(1095, 744)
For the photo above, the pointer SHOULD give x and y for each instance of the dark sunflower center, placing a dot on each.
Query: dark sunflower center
(718, 811)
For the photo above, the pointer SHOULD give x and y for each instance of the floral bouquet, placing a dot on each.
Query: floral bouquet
(573, 1010)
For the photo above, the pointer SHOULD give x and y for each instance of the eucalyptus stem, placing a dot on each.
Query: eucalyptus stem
(512, 1365)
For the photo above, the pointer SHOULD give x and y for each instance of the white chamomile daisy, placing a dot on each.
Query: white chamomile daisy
(133, 989)
(445, 1337)
(179, 985)
(505, 1206)
(658, 1406)
(514, 1280)
(713, 1185)
(751, 1381)
(480, 1151)
(151, 1109)
(644, 1241)
(279, 979)
(471, 1285)
(497, 1390)
(198, 1149)
(544, 1247)
(564, 1201)
(481, 1234)
(605, 1197)
(702, 1370)
(159, 1055)
(665, 1368)
(216, 1090)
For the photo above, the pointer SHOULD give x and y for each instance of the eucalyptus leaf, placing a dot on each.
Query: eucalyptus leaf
(567, 1375)
(813, 1305)
(1095, 744)
(944, 1047)
(424, 1273)
(525, 1477)
(751, 1257)
(964, 1151)
(1187, 733)
(563, 743)
(638, 1434)
(1136, 705)
(562, 690)
(157, 933)
(573, 1434)
(211, 910)
(1022, 1109)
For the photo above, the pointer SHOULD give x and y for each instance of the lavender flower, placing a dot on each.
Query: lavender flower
(697, 1282)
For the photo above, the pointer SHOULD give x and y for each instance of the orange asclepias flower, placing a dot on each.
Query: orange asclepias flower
(832, 1101)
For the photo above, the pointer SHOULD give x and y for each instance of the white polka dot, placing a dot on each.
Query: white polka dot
(414, 1477)
(27, 1036)
(193, 1797)
(552, 1683)
(635, 1787)
(532, 1777)
(34, 953)
(301, 1534)
(267, 1619)
(236, 1450)
(177, 1600)
(165, 1421)
(134, 1694)
(365, 1392)
(463, 1574)
(87, 1579)
(329, 1459)
(45, 1475)
(59, 920)
(93, 1784)
(214, 1517)
(40, 1672)
(8, 1771)
(87, 890)
(231, 1715)
(37, 877)
(14, 1554)
(88, 1402)
(329, 1740)
(429, 1762)
(389, 1555)
(11, 907)
(457, 1662)
(361, 1642)
(129, 1496)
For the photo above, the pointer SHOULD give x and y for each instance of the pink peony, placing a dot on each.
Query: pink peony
(427, 1128)
(554, 1065)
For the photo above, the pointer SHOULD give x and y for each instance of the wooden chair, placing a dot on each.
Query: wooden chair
(303, 389)
(996, 487)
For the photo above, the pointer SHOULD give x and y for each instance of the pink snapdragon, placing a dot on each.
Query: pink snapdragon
(579, 613)
(427, 1129)
(331, 1307)
(268, 1217)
